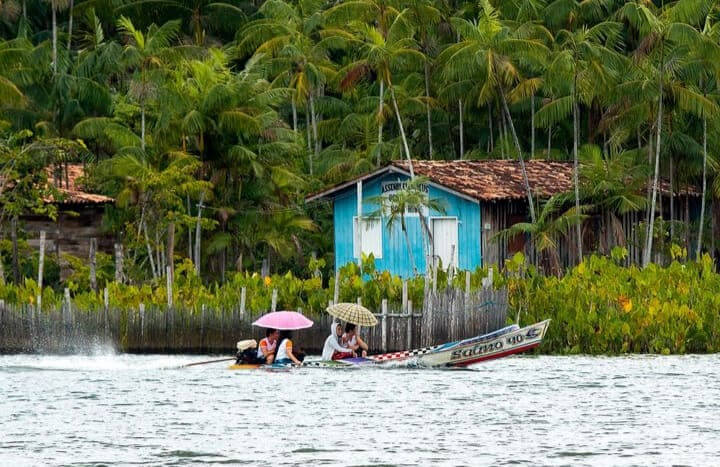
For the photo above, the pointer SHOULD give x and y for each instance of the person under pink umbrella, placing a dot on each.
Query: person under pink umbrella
(284, 354)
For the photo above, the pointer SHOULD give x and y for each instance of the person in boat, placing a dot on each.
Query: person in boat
(267, 346)
(284, 353)
(354, 342)
(333, 349)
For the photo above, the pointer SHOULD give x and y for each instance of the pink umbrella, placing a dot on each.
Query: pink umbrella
(283, 320)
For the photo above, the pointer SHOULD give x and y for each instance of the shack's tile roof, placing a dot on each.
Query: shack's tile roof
(67, 180)
(491, 180)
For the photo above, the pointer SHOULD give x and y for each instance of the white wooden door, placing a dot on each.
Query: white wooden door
(445, 240)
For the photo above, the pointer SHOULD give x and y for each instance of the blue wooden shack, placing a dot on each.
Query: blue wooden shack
(479, 199)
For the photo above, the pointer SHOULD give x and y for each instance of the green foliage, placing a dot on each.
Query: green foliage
(602, 307)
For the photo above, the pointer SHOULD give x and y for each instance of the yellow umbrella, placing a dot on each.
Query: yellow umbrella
(353, 313)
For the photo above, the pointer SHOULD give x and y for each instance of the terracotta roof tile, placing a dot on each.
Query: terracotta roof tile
(491, 180)
(71, 188)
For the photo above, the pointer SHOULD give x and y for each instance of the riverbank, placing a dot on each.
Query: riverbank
(598, 307)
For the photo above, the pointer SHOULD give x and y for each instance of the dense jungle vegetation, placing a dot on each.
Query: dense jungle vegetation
(210, 121)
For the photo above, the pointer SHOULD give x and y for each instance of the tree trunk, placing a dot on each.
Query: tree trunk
(24, 8)
(576, 177)
(118, 263)
(380, 119)
(149, 251)
(672, 202)
(197, 235)
(54, 36)
(402, 132)
(14, 239)
(427, 108)
(502, 132)
(410, 253)
(171, 249)
(308, 126)
(70, 24)
(491, 148)
(462, 139)
(313, 119)
(2, 271)
(532, 126)
(520, 158)
(704, 189)
(294, 114)
(648, 248)
(190, 239)
(93, 264)
(549, 132)
(142, 126)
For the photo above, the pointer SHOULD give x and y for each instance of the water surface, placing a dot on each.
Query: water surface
(129, 409)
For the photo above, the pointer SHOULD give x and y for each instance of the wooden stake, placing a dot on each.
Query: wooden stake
(336, 292)
(409, 324)
(273, 305)
(41, 261)
(384, 324)
(93, 264)
(168, 281)
(243, 295)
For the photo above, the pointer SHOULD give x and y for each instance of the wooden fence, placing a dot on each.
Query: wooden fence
(446, 315)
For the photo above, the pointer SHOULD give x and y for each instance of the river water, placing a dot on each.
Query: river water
(128, 409)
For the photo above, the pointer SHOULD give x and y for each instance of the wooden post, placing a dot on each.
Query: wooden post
(118, 263)
(142, 320)
(467, 284)
(243, 295)
(273, 305)
(404, 296)
(39, 303)
(41, 261)
(384, 324)
(451, 265)
(359, 301)
(409, 324)
(68, 310)
(106, 301)
(93, 264)
(202, 326)
(168, 281)
(358, 233)
(336, 292)
(434, 274)
(265, 268)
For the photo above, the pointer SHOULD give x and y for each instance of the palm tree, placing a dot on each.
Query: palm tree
(584, 63)
(545, 233)
(490, 51)
(612, 182)
(666, 40)
(395, 207)
(288, 40)
(383, 53)
(147, 53)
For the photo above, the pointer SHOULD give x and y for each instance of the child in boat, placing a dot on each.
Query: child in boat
(352, 341)
(333, 350)
(266, 349)
(284, 352)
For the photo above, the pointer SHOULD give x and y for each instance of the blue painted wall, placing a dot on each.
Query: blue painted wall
(395, 256)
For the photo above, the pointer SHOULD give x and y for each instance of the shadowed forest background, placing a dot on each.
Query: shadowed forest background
(209, 122)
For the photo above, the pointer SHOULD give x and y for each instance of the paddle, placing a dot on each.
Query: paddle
(208, 361)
